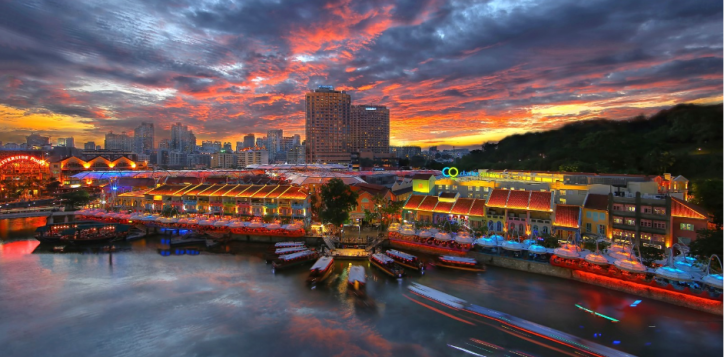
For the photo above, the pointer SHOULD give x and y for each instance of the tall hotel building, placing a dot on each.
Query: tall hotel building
(370, 128)
(327, 126)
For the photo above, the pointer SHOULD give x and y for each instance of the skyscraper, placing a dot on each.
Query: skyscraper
(370, 128)
(327, 125)
(182, 139)
(261, 142)
(36, 140)
(248, 141)
(118, 142)
(143, 137)
(66, 142)
(91, 145)
(275, 143)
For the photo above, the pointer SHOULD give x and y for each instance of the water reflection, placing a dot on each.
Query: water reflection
(230, 303)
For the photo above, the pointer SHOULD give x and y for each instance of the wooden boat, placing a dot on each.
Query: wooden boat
(321, 270)
(94, 233)
(387, 265)
(294, 259)
(461, 263)
(406, 260)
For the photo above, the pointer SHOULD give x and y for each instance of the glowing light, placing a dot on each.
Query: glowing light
(10, 159)
(595, 313)
(133, 165)
(86, 165)
(449, 172)
(635, 303)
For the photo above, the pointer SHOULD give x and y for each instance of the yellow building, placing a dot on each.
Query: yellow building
(595, 216)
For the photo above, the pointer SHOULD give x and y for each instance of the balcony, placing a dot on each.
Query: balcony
(271, 205)
(297, 206)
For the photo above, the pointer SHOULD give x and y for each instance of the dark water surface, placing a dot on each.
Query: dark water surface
(138, 303)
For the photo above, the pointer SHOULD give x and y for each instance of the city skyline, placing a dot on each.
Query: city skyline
(450, 73)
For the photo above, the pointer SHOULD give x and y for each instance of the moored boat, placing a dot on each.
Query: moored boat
(406, 260)
(462, 263)
(94, 233)
(321, 270)
(357, 276)
(287, 244)
(294, 259)
(387, 265)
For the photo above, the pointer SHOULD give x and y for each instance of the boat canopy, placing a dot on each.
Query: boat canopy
(322, 263)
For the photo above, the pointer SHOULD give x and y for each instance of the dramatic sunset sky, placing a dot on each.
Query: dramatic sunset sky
(452, 72)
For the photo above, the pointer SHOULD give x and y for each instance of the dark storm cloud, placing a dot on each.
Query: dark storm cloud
(228, 67)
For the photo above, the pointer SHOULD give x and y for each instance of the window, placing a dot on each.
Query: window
(659, 224)
(499, 226)
(617, 207)
(535, 229)
(686, 227)
(545, 229)
(601, 229)
(588, 214)
(490, 226)
(588, 228)
(617, 220)
(661, 211)
(645, 223)
(646, 236)
(658, 238)
(563, 201)
(630, 221)
(563, 192)
(646, 209)
(630, 208)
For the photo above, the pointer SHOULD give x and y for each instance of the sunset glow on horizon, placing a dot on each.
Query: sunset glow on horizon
(451, 72)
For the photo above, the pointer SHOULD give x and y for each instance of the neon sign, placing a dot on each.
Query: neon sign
(10, 159)
(449, 172)
(452, 172)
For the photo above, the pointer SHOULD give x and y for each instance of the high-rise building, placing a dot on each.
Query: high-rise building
(252, 157)
(275, 143)
(66, 142)
(295, 155)
(164, 144)
(223, 160)
(143, 137)
(36, 140)
(91, 145)
(248, 141)
(327, 125)
(118, 142)
(261, 142)
(291, 141)
(406, 151)
(182, 139)
(227, 147)
(370, 128)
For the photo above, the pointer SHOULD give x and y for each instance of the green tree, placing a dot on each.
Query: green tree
(314, 205)
(550, 241)
(52, 186)
(76, 198)
(708, 194)
(708, 242)
(649, 254)
(337, 200)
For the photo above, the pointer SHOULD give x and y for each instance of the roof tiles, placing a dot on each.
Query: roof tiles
(428, 203)
(498, 198)
(462, 206)
(540, 201)
(413, 202)
(567, 216)
(518, 199)
(478, 208)
(443, 207)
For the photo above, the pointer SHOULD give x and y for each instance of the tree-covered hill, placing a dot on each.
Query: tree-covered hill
(684, 140)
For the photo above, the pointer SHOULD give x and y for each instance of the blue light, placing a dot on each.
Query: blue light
(616, 342)
(635, 303)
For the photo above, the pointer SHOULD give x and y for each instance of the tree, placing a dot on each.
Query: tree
(708, 194)
(550, 241)
(314, 205)
(52, 186)
(76, 198)
(169, 211)
(337, 200)
(708, 242)
(649, 254)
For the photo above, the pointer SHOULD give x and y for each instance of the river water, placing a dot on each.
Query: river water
(139, 303)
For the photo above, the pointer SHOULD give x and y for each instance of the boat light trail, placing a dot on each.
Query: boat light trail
(464, 350)
(440, 311)
(595, 313)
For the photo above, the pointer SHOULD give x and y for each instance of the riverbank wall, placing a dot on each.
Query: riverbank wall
(649, 292)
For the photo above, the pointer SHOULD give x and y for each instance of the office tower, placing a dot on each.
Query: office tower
(182, 139)
(239, 146)
(370, 128)
(223, 160)
(36, 140)
(66, 142)
(248, 157)
(274, 143)
(261, 142)
(227, 147)
(327, 125)
(295, 155)
(143, 137)
(248, 141)
(91, 145)
(164, 144)
(118, 142)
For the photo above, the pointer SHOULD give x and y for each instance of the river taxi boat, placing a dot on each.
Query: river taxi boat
(461, 263)
(357, 277)
(279, 245)
(387, 265)
(94, 233)
(321, 270)
(294, 259)
(406, 260)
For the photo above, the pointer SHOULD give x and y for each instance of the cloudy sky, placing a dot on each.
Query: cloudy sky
(452, 72)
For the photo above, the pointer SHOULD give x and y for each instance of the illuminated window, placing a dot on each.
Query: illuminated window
(617, 220)
(686, 227)
(660, 211)
(601, 229)
(630, 208)
(630, 221)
